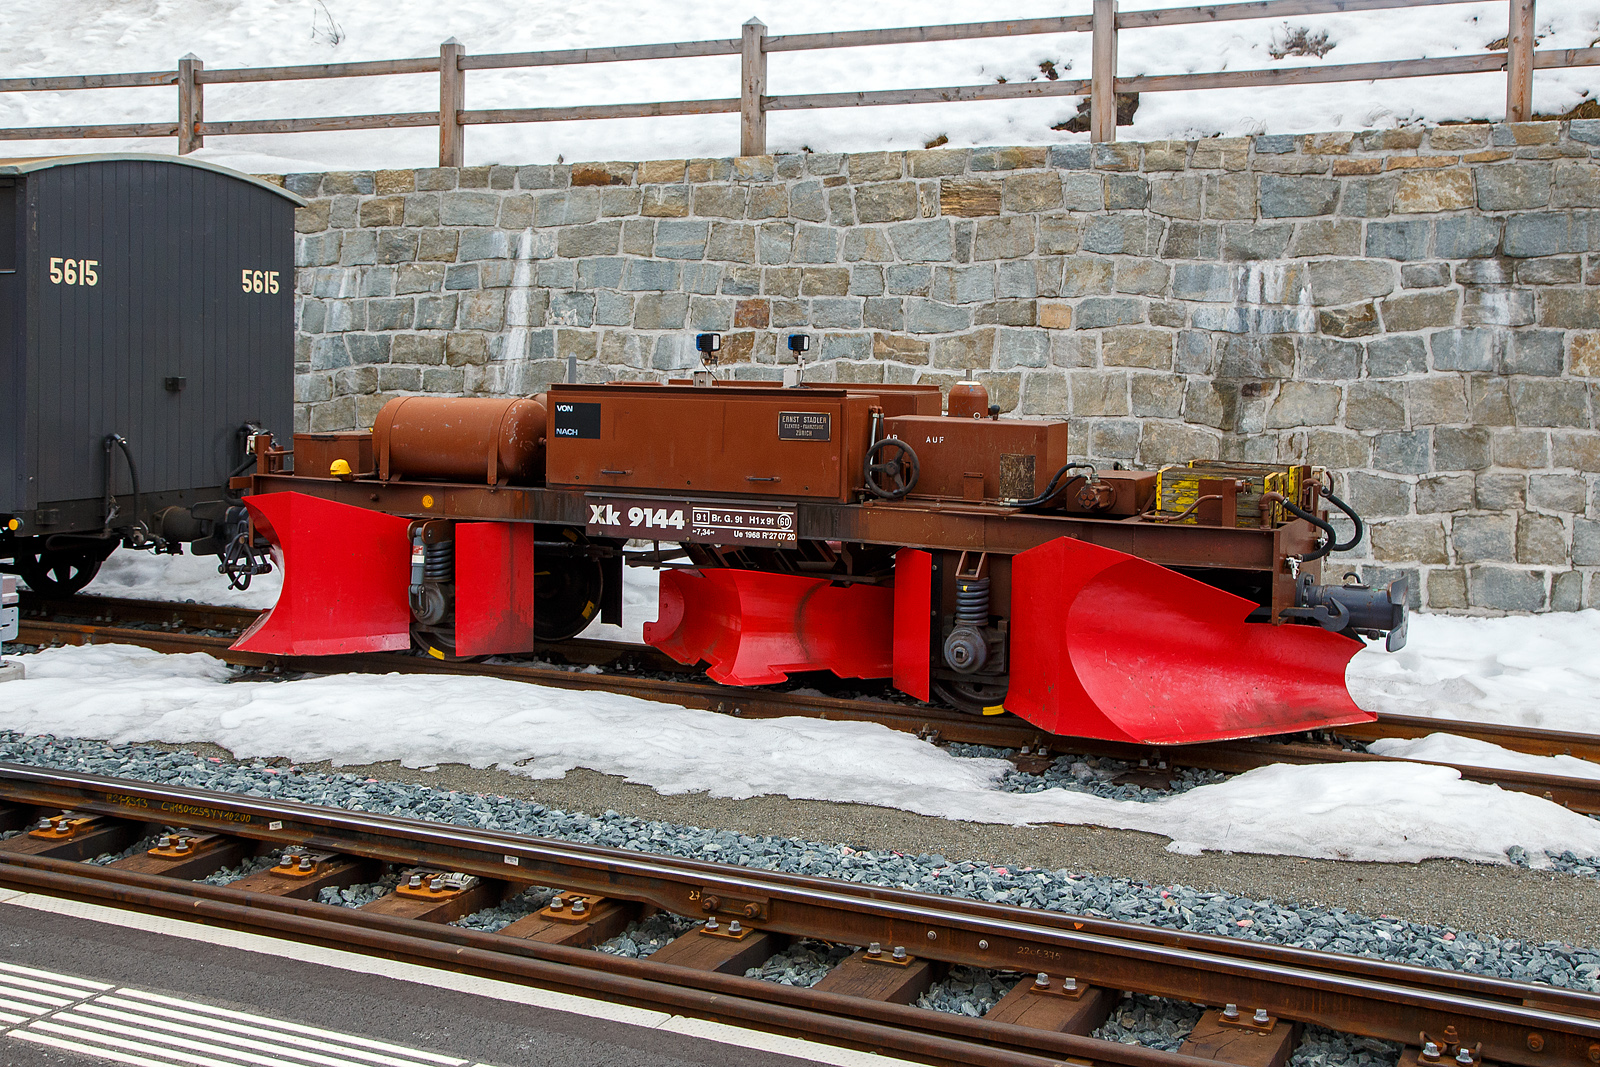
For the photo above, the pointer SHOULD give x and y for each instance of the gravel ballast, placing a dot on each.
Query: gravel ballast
(1569, 961)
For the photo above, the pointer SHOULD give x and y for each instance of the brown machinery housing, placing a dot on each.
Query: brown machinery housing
(855, 529)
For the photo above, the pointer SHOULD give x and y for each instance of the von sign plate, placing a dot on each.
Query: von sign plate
(709, 522)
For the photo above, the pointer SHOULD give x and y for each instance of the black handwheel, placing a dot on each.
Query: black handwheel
(891, 468)
(60, 571)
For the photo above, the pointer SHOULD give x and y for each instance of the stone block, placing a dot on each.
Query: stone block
(886, 202)
(1456, 449)
(1098, 312)
(665, 201)
(1375, 406)
(1192, 240)
(1098, 393)
(483, 310)
(1570, 309)
(1021, 348)
(1480, 538)
(841, 209)
(1497, 307)
(1358, 320)
(1135, 347)
(1162, 442)
(437, 312)
(595, 239)
(837, 312)
(1146, 277)
(369, 347)
(1256, 357)
(1156, 396)
(1203, 281)
(1346, 281)
(824, 281)
(1326, 237)
(1447, 588)
(660, 311)
(815, 244)
(1506, 589)
(924, 241)
(1071, 156)
(1425, 192)
(1416, 540)
(1369, 198)
(1059, 236)
(1251, 242)
(1474, 349)
(1586, 542)
(1444, 493)
(1541, 539)
(1132, 235)
(1300, 404)
(1466, 237)
(1032, 192)
(1566, 590)
(649, 274)
(1178, 198)
(1126, 192)
(1402, 452)
(1003, 238)
(964, 352)
(1547, 234)
(1533, 352)
(1525, 449)
(1328, 360)
(1285, 196)
(1378, 495)
(1576, 184)
(1230, 196)
(606, 272)
(1424, 275)
(932, 316)
(806, 201)
(1399, 240)
(1389, 357)
(1086, 276)
(1420, 311)
(1514, 186)
(1500, 492)
(1550, 402)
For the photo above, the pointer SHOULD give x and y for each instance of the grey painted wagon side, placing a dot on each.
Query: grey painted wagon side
(149, 297)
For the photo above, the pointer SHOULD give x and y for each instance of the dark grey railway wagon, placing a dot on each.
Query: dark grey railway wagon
(146, 325)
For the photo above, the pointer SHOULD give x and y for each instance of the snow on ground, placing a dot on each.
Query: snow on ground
(146, 576)
(1359, 812)
(1529, 670)
(96, 36)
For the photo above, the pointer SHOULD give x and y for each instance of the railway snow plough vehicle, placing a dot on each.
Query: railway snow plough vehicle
(864, 530)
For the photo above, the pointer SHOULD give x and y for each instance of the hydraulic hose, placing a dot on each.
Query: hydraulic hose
(1333, 543)
(1053, 488)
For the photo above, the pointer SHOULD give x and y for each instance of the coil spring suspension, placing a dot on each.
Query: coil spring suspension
(439, 562)
(972, 601)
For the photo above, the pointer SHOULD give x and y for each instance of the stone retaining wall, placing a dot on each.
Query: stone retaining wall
(1416, 309)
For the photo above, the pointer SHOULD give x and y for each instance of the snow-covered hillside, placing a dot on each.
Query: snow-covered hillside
(49, 37)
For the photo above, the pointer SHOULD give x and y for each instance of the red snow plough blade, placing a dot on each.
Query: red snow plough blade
(345, 571)
(1107, 645)
(755, 628)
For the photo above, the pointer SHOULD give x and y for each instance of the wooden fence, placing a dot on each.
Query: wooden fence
(1104, 24)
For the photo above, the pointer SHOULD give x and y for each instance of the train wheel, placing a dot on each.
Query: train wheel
(974, 698)
(59, 571)
(566, 594)
(439, 646)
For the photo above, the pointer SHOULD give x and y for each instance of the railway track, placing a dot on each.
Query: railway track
(1070, 969)
(643, 672)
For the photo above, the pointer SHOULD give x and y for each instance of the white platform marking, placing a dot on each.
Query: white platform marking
(359, 1049)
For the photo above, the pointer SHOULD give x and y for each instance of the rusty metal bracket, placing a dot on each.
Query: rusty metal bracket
(67, 825)
(1260, 1022)
(576, 908)
(183, 843)
(713, 903)
(897, 958)
(425, 884)
(1067, 989)
(299, 863)
(734, 931)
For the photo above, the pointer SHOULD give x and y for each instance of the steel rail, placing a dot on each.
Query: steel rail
(1578, 794)
(1350, 994)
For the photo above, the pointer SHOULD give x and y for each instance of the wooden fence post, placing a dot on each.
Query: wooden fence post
(1103, 73)
(452, 98)
(191, 104)
(1519, 62)
(752, 87)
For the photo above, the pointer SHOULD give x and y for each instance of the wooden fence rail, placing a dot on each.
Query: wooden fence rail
(753, 45)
